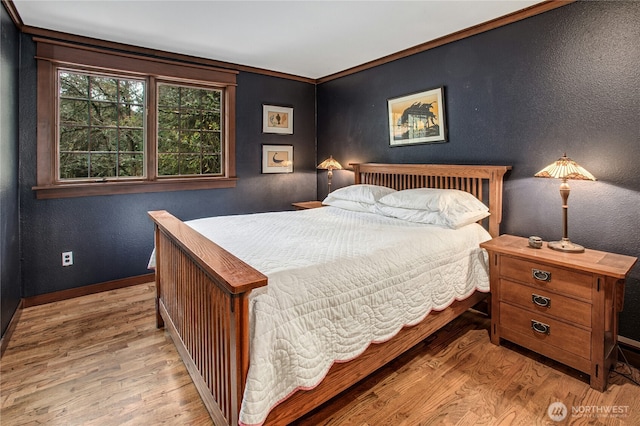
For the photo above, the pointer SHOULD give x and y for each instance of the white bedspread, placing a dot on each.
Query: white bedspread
(338, 280)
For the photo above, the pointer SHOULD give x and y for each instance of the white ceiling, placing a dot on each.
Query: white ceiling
(305, 38)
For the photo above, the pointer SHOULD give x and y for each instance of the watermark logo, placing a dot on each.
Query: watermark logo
(557, 411)
(600, 411)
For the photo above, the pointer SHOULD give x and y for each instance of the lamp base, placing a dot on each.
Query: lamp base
(566, 246)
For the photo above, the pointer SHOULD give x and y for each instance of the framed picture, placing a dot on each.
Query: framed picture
(277, 158)
(417, 118)
(277, 119)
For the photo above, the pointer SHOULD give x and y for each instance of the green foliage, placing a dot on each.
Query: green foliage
(189, 131)
(102, 128)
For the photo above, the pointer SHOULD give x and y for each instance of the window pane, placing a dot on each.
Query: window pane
(168, 164)
(190, 142)
(131, 92)
(190, 164)
(131, 140)
(74, 112)
(211, 164)
(104, 140)
(130, 165)
(74, 139)
(189, 98)
(190, 119)
(211, 120)
(189, 122)
(168, 118)
(168, 96)
(74, 85)
(102, 165)
(211, 142)
(168, 141)
(104, 114)
(211, 100)
(131, 115)
(102, 126)
(103, 89)
(74, 166)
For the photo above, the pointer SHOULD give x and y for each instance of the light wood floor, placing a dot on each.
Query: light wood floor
(99, 360)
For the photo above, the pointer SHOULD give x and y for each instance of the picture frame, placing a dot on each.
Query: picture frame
(417, 118)
(277, 158)
(277, 119)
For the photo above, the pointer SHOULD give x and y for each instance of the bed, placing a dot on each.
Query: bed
(207, 295)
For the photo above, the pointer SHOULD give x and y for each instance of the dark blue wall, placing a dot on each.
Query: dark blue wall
(111, 236)
(567, 81)
(10, 290)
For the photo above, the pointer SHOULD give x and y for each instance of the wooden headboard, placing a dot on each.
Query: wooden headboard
(483, 182)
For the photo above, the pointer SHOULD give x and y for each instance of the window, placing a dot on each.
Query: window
(189, 131)
(112, 123)
(100, 126)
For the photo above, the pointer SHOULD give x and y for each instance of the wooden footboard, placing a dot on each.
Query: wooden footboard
(202, 298)
(202, 293)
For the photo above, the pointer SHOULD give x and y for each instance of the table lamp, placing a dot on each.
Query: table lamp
(330, 164)
(565, 168)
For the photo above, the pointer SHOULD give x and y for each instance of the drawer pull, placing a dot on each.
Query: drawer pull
(541, 275)
(543, 302)
(540, 327)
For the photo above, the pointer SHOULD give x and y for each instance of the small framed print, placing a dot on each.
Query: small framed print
(277, 119)
(277, 158)
(417, 118)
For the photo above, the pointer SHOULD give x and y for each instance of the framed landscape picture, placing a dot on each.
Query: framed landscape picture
(277, 119)
(277, 158)
(417, 118)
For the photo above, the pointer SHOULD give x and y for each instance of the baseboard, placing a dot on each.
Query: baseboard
(629, 342)
(631, 350)
(4, 340)
(86, 290)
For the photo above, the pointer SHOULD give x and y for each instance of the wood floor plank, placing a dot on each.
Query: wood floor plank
(99, 360)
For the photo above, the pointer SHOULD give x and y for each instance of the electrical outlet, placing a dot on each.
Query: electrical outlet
(67, 258)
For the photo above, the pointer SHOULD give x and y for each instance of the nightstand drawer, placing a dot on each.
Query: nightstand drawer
(543, 329)
(539, 300)
(569, 282)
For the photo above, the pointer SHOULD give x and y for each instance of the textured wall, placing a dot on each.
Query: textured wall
(9, 213)
(521, 95)
(111, 236)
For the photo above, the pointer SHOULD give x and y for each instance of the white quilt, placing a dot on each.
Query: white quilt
(338, 281)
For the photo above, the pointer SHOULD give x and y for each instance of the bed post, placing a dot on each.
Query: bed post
(495, 199)
(159, 320)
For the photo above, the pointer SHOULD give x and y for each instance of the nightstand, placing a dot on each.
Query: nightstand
(562, 305)
(304, 205)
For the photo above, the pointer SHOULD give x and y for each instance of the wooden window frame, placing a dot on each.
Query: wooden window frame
(51, 55)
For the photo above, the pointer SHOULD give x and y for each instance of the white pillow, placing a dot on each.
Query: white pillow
(348, 205)
(435, 200)
(452, 219)
(362, 193)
